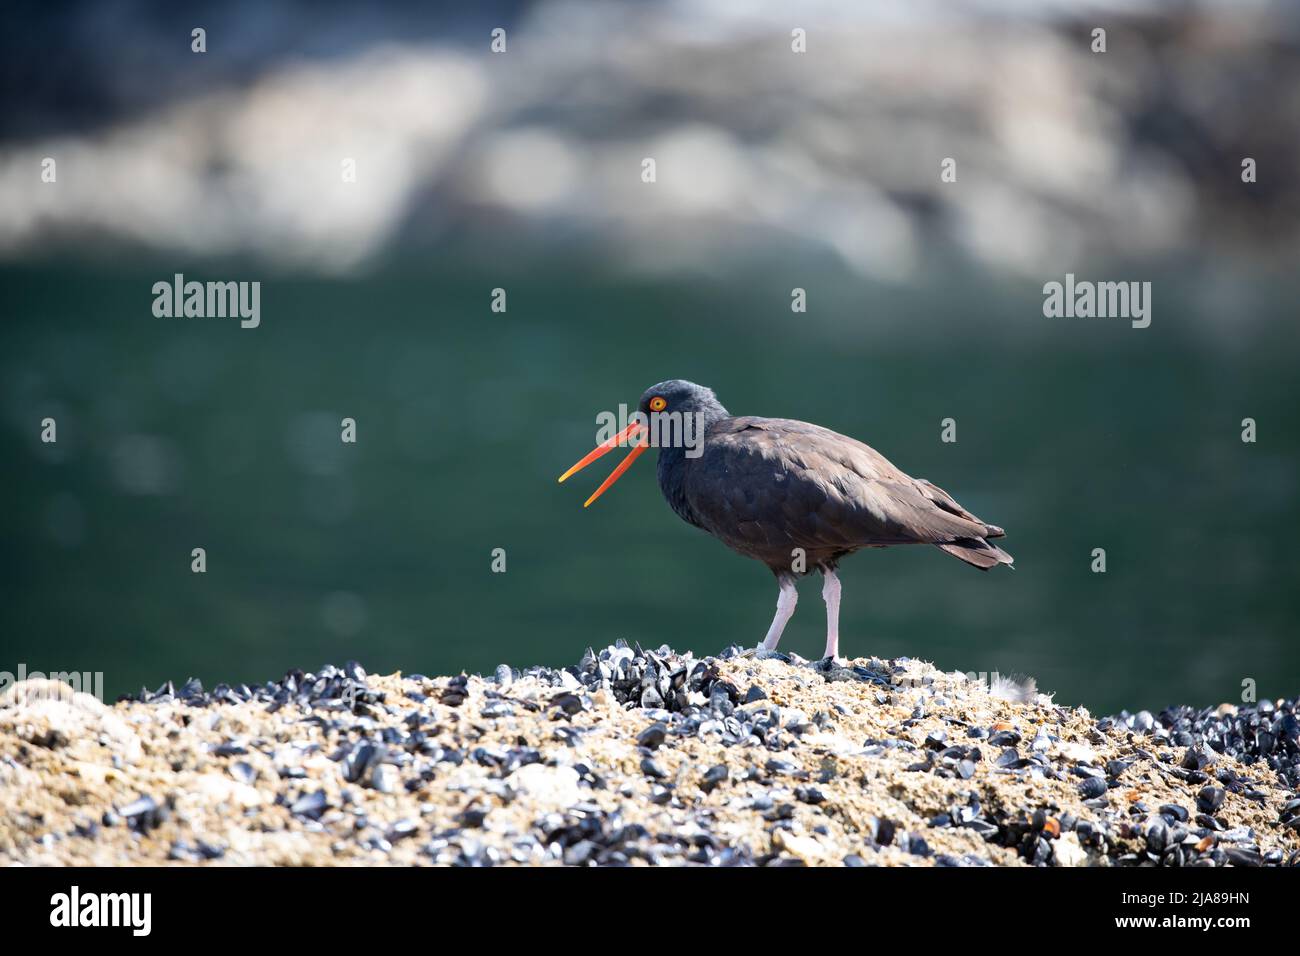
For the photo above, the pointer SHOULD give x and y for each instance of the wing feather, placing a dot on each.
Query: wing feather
(775, 484)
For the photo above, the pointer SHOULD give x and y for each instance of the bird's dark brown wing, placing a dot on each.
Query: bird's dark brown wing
(768, 485)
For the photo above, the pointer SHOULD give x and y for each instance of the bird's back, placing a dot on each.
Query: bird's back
(765, 486)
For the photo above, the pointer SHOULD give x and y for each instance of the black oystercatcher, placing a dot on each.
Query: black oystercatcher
(792, 495)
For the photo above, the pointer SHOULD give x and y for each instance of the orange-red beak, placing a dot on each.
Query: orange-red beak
(604, 447)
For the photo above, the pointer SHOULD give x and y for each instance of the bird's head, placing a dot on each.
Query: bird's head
(676, 395)
(674, 399)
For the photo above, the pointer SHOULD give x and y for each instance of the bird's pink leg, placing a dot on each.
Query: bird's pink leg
(831, 595)
(785, 603)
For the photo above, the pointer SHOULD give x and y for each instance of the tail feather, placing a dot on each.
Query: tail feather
(974, 551)
(977, 552)
(949, 504)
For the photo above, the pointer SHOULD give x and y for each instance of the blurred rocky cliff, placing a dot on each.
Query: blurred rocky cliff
(1064, 155)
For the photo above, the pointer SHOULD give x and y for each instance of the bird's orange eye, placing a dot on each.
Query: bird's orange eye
(658, 404)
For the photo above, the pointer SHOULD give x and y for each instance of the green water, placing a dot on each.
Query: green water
(175, 434)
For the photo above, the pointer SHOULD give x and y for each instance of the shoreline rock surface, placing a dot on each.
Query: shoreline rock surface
(641, 757)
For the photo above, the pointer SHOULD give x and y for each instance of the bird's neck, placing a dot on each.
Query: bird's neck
(672, 481)
(685, 440)
(676, 459)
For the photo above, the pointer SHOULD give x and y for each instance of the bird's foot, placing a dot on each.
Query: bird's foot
(829, 665)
